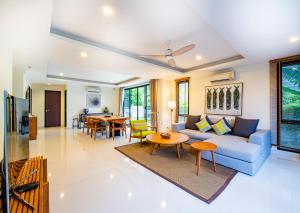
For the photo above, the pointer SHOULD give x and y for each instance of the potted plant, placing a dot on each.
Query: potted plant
(105, 110)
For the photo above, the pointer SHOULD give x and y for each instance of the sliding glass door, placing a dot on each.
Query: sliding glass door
(289, 105)
(136, 103)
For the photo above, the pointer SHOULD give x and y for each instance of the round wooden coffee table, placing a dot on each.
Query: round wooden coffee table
(175, 139)
(201, 147)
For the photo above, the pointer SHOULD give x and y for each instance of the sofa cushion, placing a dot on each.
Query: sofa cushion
(236, 147)
(244, 127)
(196, 134)
(191, 121)
(215, 118)
(221, 127)
(203, 125)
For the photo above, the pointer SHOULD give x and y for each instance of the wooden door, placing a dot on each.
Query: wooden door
(52, 108)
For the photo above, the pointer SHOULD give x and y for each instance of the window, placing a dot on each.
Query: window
(136, 103)
(182, 91)
(289, 123)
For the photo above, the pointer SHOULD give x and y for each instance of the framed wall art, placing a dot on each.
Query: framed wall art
(224, 99)
(93, 100)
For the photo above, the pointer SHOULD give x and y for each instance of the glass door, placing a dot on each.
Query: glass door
(133, 103)
(289, 98)
(136, 103)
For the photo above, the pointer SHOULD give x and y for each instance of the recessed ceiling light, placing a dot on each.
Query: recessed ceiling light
(49, 84)
(198, 57)
(129, 194)
(62, 195)
(83, 54)
(163, 204)
(107, 11)
(294, 39)
(162, 74)
(61, 74)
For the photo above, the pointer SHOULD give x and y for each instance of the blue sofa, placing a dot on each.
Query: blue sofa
(243, 154)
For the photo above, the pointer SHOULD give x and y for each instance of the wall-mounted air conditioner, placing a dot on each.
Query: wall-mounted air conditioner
(93, 89)
(224, 76)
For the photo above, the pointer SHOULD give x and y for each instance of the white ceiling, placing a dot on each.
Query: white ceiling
(143, 27)
(258, 30)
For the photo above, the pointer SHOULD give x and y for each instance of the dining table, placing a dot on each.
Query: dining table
(107, 120)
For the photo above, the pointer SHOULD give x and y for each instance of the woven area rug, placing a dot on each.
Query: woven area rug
(181, 172)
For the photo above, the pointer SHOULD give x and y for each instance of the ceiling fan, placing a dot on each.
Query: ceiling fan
(169, 53)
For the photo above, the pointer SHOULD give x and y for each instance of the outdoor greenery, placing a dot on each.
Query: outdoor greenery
(290, 133)
(291, 92)
(183, 98)
(136, 103)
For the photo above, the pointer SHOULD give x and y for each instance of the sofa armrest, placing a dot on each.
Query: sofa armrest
(176, 127)
(261, 137)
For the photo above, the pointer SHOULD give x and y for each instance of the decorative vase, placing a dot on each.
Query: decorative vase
(85, 111)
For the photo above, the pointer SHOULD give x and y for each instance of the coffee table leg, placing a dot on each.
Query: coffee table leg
(178, 150)
(199, 162)
(214, 162)
(153, 147)
(181, 147)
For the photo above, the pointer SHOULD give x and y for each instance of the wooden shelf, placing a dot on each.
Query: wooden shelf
(38, 197)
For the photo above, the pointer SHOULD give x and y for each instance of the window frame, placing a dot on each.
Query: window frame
(280, 120)
(178, 82)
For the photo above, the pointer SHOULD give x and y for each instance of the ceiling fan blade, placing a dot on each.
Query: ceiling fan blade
(172, 62)
(153, 56)
(184, 49)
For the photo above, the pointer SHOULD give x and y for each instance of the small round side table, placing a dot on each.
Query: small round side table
(201, 147)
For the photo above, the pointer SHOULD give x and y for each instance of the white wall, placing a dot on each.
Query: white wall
(38, 101)
(76, 100)
(5, 84)
(166, 92)
(256, 92)
(18, 83)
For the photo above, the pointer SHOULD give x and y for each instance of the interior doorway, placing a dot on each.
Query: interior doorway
(52, 108)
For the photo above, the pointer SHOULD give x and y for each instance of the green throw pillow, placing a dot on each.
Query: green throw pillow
(221, 127)
(203, 125)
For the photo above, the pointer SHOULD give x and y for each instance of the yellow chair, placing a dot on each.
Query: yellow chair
(139, 129)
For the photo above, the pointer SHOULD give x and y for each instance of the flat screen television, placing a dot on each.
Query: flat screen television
(16, 144)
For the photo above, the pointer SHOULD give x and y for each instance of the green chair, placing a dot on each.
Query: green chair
(139, 129)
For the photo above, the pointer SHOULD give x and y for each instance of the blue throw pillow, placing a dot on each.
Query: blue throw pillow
(244, 127)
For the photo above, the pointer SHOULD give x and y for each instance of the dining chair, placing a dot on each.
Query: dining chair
(87, 123)
(118, 124)
(97, 126)
(139, 129)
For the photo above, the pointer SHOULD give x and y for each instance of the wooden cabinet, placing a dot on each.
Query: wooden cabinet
(32, 128)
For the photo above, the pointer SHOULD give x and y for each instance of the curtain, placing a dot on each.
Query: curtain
(120, 101)
(273, 100)
(153, 100)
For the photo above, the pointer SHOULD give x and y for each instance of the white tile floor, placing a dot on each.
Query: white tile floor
(90, 176)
